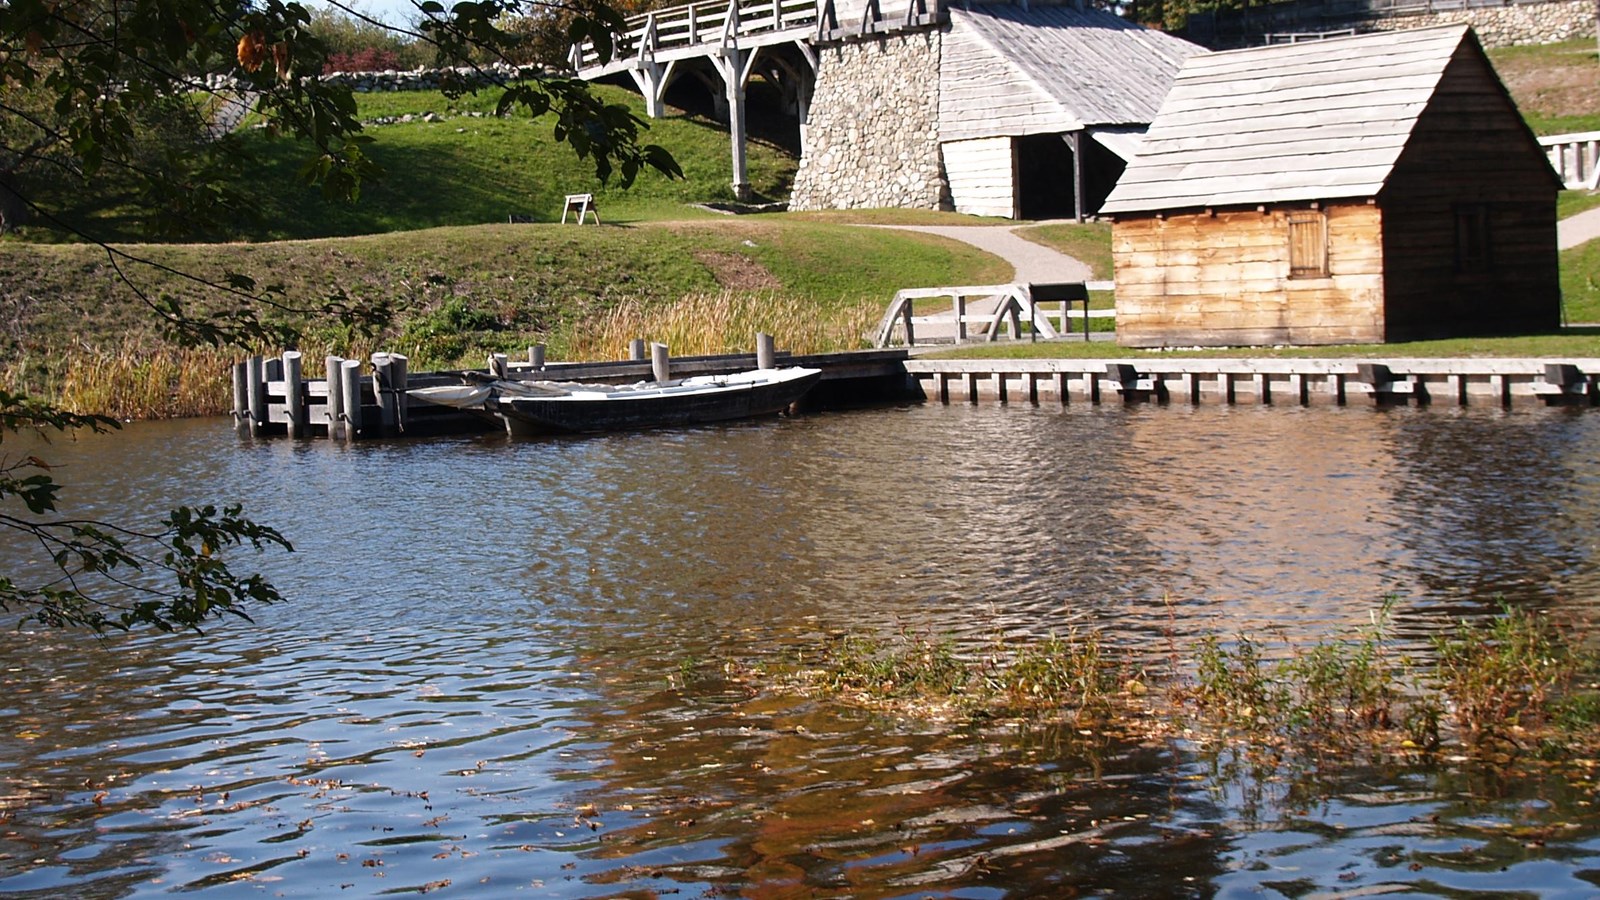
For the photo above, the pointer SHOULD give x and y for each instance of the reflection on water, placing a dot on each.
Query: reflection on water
(473, 688)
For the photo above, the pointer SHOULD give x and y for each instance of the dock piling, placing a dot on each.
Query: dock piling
(350, 398)
(766, 351)
(293, 399)
(257, 395)
(660, 363)
(241, 398)
(334, 365)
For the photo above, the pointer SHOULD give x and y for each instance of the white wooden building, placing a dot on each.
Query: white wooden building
(1041, 106)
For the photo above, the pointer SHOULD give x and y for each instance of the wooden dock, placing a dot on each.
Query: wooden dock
(369, 400)
(356, 400)
(1286, 382)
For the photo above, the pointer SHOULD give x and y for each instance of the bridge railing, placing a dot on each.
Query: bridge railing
(1576, 158)
(703, 23)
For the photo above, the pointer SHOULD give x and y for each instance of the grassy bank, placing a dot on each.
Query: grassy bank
(468, 169)
(460, 293)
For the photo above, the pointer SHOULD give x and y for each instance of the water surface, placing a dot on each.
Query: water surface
(498, 671)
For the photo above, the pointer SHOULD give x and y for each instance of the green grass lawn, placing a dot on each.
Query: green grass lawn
(465, 170)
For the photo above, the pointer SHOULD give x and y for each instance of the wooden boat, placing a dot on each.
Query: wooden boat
(553, 407)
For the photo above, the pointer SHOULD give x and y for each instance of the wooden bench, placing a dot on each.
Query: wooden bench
(583, 205)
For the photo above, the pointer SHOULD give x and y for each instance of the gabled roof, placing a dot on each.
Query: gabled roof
(1051, 68)
(1309, 121)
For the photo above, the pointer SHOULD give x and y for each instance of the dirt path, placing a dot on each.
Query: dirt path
(1032, 262)
(1579, 229)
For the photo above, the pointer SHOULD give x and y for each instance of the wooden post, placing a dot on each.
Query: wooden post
(959, 307)
(397, 375)
(766, 351)
(636, 346)
(536, 357)
(241, 398)
(350, 397)
(334, 365)
(293, 402)
(660, 363)
(383, 390)
(258, 395)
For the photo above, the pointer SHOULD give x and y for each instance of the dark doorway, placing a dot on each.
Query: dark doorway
(1046, 181)
(1044, 177)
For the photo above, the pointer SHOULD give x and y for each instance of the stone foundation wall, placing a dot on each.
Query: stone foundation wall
(1506, 26)
(1516, 22)
(872, 139)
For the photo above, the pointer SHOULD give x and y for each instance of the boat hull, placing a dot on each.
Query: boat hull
(648, 408)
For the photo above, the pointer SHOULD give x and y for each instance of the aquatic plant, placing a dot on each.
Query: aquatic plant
(1509, 684)
(1514, 675)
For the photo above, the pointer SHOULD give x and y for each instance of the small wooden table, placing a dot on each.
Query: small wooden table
(583, 205)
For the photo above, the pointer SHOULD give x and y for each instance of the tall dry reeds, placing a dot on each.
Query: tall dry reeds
(140, 383)
(726, 322)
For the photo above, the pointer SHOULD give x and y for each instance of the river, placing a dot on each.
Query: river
(498, 670)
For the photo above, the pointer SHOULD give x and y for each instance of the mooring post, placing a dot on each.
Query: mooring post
(383, 390)
(536, 357)
(333, 365)
(636, 349)
(660, 363)
(258, 395)
(241, 398)
(293, 383)
(766, 351)
(397, 377)
(350, 397)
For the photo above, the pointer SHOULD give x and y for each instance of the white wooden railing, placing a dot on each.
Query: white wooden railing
(715, 22)
(703, 23)
(998, 309)
(1576, 158)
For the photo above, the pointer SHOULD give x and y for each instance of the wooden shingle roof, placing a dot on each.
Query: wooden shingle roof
(1309, 121)
(1048, 69)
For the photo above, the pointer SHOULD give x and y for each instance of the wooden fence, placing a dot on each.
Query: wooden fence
(1576, 158)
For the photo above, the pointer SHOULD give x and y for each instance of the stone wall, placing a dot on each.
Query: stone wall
(415, 80)
(872, 138)
(1506, 26)
(1516, 22)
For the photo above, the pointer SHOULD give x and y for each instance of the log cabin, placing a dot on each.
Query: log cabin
(1364, 189)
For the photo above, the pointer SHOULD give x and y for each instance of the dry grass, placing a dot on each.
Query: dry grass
(727, 322)
(133, 382)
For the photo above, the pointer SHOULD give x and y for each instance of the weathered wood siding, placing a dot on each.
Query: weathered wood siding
(982, 176)
(982, 93)
(1223, 280)
(1471, 149)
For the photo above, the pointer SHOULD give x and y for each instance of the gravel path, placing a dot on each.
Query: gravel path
(1033, 262)
(1578, 229)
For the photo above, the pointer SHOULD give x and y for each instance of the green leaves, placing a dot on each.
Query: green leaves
(111, 577)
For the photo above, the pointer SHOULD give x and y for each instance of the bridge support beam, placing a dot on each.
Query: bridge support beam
(733, 64)
(652, 79)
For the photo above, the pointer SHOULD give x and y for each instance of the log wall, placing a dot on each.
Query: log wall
(1471, 149)
(1222, 279)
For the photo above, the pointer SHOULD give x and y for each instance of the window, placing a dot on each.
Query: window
(1472, 239)
(1308, 244)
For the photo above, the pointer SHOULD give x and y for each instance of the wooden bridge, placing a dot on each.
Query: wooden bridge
(738, 39)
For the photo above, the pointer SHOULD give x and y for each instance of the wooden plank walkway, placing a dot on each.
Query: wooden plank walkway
(1279, 382)
(356, 401)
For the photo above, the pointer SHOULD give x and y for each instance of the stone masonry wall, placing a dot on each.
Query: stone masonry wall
(872, 138)
(1506, 26)
(1516, 22)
